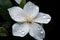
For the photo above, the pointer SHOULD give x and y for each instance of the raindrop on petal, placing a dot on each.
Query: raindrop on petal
(22, 33)
(48, 19)
(39, 28)
(44, 16)
(36, 7)
(41, 32)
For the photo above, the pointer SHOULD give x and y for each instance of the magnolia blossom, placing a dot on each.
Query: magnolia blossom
(27, 21)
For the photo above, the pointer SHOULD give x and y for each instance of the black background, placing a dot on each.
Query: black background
(46, 6)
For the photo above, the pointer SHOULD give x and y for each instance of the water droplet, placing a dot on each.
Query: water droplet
(44, 16)
(36, 7)
(48, 19)
(41, 31)
(23, 32)
(30, 5)
(39, 28)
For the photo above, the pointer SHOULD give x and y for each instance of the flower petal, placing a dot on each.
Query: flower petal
(31, 9)
(20, 29)
(37, 31)
(39, 39)
(16, 14)
(42, 18)
(18, 1)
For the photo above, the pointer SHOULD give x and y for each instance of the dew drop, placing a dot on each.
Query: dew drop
(48, 19)
(41, 31)
(39, 28)
(36, 7)
(44, 16)
(22, 33)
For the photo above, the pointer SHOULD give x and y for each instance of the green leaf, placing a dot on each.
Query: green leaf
(3, 32)
(23, 2)
(4, 14)
(5, 4)
(6, 25)
(1, 24)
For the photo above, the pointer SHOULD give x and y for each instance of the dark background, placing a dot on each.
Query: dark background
(46, 6)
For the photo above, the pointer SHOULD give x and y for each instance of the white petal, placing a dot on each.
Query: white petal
(37, 31)
(20, 29)
(42, 18)
(16, 14)
(39, 39)
(18, 1)
(31, 9)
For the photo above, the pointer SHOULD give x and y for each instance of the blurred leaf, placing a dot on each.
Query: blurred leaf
(0, 24)
(5, 4)
(4, 14)
(22, 3)
(6, 25)
(3, 32)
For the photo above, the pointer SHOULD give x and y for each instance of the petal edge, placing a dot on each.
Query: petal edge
(20, 29)
(37, 31)
(43, 18)
(31, 9)
(16, 14)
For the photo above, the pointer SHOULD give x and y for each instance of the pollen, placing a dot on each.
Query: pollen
(29, 20)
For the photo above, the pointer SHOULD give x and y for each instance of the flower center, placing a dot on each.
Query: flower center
(29, 20)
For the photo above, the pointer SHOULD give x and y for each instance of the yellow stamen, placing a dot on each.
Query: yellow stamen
(29, 20)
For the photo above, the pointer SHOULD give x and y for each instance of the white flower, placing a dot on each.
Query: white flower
(27, 21)
(18, 1)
